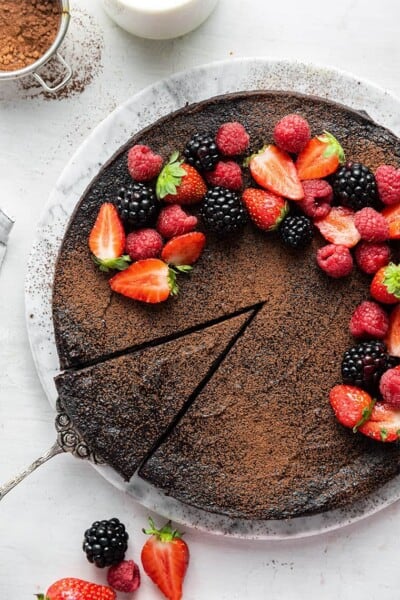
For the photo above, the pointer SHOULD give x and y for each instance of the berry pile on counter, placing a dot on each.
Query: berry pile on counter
(300, 185)
(164, 556)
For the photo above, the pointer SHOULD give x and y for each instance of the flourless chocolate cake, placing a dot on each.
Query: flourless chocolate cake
(220, 396)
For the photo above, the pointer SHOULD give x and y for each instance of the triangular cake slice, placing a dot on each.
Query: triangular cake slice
(124, 405)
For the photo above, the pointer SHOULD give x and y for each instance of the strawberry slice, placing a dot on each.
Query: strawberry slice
(393, 336)
(351, 405)
(392, 216)
(149, 280)
(338, 227)
(320, 158)
(107, 240)
(383, 424)
(184, 249)
(165, 558)
(274, 170)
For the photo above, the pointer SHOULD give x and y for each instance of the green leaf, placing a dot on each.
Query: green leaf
(170, 177)
(41, 597)
(366, 415)
(173, 285)
(184, 268)
(109, 264)
(333, 147)
(384, 434)
(392, 279)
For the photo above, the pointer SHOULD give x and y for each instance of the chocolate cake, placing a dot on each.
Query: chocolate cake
(242, 428)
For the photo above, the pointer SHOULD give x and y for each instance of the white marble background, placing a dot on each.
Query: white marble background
(42, 521)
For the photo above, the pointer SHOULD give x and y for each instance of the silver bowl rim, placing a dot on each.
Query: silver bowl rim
(64, 23)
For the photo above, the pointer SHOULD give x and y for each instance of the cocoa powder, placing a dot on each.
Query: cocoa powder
(27, 29)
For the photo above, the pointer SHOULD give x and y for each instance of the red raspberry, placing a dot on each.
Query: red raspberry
(124, 577)
(318, 195)
(371, 256)
(173, 220)
(143, 243)
(292, 133)
(335, 260)
(232, 139)
(369, 320)
(389, 387)
(227, 174)
(388, 182)
(371, 225)
(143, 164)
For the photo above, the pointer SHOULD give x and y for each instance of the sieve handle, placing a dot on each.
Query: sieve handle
(66, 78)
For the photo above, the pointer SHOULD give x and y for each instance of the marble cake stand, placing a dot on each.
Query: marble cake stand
(138, 112)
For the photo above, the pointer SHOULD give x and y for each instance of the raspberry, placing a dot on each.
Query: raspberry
(173, 220)
(227, 174)
(371, 256)
(292, 133)
(335, 260)
(369, 320)
(389, 387)
(318, 195)
(124, 577)
(388, 182)
(143, 164)
(143, 243)
(232, 139)
(371, 225)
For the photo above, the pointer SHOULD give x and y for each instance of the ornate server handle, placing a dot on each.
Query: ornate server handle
(68, 440)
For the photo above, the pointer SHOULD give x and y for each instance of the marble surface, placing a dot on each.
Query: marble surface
(42, 521)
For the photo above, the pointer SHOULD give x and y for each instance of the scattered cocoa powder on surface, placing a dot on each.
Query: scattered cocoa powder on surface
(27, 29)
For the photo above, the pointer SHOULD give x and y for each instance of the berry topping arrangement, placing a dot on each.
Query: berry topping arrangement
(299, 183)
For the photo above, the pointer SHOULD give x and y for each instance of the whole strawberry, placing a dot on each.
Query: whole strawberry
(385, 286)
(165, 558)
(71, 588)
(180, 183)
(265, 209)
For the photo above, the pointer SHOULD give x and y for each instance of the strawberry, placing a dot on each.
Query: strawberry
(338, 227)
(107, 240)
(351, 405)
(265, 209)
(274, 170)
(392, 340)
(149, 280)
(320, 158)
(165, 558)
(180, 183)
(385, 285)
(184, 249)
(383, 424)
(71, 588)
(392, 216)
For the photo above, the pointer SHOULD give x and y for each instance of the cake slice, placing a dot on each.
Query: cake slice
(122, 406)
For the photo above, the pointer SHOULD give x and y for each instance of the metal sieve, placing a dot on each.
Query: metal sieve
(50, 53)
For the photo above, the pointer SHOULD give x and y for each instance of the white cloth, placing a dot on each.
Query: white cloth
(5, 227)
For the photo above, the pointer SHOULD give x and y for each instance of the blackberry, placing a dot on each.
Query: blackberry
(137, 205)
(223, 211)
(201, 152)
(105, 543)
(296, 231)
(354, 186)
(364, 364)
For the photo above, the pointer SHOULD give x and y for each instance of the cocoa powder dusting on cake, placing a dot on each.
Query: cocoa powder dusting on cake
(27, 30)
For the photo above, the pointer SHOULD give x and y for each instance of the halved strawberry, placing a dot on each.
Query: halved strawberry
(352, 406)
(149, 280)
(265, 209)
(385, 285)
(107, 240)
(274, 170)
(320, 158)
(338, 227)
(184, 249)
(392, 216)
(180, 183)
(393, 336)
(383, 424)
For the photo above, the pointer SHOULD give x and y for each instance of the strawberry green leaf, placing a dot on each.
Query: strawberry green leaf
(173, 285)
(384, 434)
(42, 597)
(392, 279)
(366, 415)
(170, 177)
(165, 534)
(108, 264)
(184, 268)
(333, 147)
